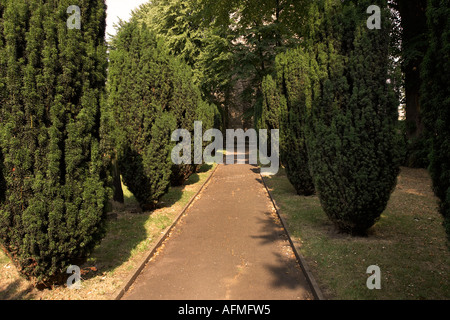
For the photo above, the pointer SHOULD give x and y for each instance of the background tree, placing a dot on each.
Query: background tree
(190, 36)
(187, 107)
(51, 88)
(260, 29)
(231, 45)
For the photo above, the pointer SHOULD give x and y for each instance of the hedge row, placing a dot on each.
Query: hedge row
(65, 120)
(338, 114)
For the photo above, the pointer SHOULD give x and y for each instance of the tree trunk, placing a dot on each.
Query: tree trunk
(412, 91)
(117, 183)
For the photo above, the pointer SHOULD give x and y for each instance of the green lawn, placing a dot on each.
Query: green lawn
(408, 243)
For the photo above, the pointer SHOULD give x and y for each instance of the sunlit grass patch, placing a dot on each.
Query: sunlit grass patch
(408, 243)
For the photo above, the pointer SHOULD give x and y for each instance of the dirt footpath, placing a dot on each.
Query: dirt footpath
(229, 245)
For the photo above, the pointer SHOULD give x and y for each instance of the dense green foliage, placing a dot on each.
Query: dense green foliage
(351, 138)
(337, 114)
(284, 107)
(188, 36)
(336, 102)
(268, 116)
(436, 101)
(52, 83)
(296, 87)
(151, 94)
(140, 83)
(228, 44)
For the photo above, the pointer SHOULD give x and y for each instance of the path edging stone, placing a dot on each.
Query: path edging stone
(119, 293)
(317, 292)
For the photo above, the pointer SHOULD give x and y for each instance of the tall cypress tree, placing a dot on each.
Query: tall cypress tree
(140, 88)
(293, 74)
(269, 113)
(351, 134)
(184, 101)
(436, 101)
(52, 88)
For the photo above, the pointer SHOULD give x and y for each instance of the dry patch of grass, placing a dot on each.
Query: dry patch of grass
(408, 243)
(130, 234)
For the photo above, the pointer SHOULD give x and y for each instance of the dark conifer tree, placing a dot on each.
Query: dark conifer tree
(151, 94)
(436, 101)
(293, 75)
(51, 87)
(184, 101)
(268, 115)
(351, 137)
(140, 88)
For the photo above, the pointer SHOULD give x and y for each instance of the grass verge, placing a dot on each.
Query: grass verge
(408, 243)
(130, 234)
